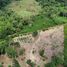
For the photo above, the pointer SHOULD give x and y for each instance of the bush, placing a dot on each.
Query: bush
(6, 31)
(55, 62)
(32, 64)
(63, 14)
(41, 53)
(34, 34)
(11, 52)
(21, 51)
(15, 63)
(49, 65)
(3, 45)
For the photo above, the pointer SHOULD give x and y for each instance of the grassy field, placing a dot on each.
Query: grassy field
(42, 23)
(65, 46)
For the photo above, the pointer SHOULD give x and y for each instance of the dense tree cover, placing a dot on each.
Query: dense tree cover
(53, 7)
(43, 2)
(34, 34)
(10, 23)
(4, 3)
(41, 53)
(3, 46)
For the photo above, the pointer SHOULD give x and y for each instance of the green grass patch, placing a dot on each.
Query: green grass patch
(43, 22)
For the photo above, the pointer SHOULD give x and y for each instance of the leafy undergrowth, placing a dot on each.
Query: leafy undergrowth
(55, 62)
(43, 22)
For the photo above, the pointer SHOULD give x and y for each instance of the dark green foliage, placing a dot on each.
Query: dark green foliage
(11, 52)
(3, 45)
(34, 34)
(53, 7)
(44, 2)
(63, 14)
(15, 63)
(41, 53)
(55, 62)
(4, 3)
(5, 32)
(29, 62)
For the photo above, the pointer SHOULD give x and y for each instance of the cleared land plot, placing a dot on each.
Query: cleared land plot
(51, 41)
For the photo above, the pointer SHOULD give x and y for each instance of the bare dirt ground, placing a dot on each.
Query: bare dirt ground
(52, 41)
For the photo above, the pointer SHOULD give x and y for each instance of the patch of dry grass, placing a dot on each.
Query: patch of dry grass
(25, 8)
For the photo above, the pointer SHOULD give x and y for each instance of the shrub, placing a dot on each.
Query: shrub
(3, 45)
(41, 53)
(49, 65)
(21, 51)
(15, 63)
(55, 62)
(32, 64)
(63, 14)
(26, 22)
(4, 3)
(11, 52)
(6, 31)
(34, 34)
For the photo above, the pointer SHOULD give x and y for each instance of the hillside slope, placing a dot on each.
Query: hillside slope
(32, 33)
